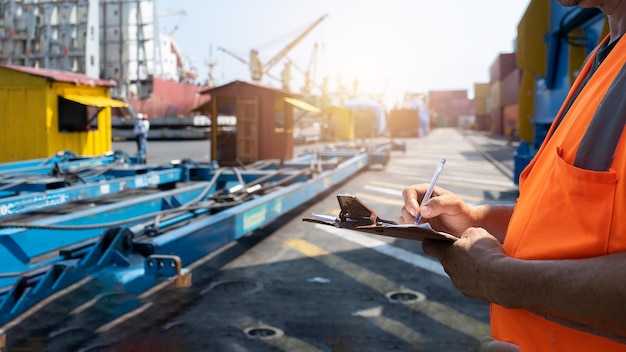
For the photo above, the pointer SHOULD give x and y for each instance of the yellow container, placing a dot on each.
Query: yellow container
(43, 112)
(496, 95)
(339, 124)
(526, 106)
(531, 48)
(480, 106)
(482, 90)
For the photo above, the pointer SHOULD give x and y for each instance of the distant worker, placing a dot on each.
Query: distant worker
(142, 126)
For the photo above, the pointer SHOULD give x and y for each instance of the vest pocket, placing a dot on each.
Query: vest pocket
(570, 217)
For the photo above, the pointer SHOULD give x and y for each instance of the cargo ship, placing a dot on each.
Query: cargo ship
(116, 40)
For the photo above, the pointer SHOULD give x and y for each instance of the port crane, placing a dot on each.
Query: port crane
(211, 64)
(257, 68)
(309, 72)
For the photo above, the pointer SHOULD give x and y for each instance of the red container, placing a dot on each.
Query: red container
(510, 87)
(496, 121)
(448, 106)
(502, 66)
(510, 120)
(483, 123)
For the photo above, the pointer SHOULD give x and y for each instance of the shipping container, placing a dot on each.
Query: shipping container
(510, 87)
(510, 121)
(526, 105)
(483, 123)
(404, 123)
(480, 106)
(531, 30)
(447, 94)
(502, 66)
(338, 124)
(365, 123)
(496, 121)
(447, 106)
(495, 99)
(482, 90)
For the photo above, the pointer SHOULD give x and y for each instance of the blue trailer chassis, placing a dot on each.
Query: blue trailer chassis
(192, 210)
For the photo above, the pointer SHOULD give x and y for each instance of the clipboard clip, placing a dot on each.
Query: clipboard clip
(355, 213)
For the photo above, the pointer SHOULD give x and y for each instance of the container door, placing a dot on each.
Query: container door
(247, 130)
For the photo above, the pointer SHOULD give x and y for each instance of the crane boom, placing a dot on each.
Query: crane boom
(257, 69)
(291, 45)
(233, 55)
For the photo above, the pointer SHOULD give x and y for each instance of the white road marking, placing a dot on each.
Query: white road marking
(465, 180)
(382, 247)
(393, 192)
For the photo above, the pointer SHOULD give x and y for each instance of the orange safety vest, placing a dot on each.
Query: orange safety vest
(565, 211)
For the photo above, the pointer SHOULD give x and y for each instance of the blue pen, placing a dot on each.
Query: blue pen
(429, 191)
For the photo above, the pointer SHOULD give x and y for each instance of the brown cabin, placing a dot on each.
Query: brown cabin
(264, 127)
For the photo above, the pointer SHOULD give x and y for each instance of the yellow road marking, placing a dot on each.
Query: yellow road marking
(436, 311)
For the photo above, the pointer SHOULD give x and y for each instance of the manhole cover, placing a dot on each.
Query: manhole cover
(405, 296)
(265, 332)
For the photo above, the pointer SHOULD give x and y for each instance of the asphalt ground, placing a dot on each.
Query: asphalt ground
(298, 286)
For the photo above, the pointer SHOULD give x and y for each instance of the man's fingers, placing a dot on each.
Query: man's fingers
(405, 216)
(441, 204)
(432, 207)
(436, 248)
(409, 195)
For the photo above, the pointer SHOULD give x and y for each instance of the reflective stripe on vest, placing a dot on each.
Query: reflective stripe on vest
(598, 146)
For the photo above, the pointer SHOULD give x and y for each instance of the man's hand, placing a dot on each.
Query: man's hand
(470, 262)
(445, 211)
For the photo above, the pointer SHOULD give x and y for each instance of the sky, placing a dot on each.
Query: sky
(390, 47)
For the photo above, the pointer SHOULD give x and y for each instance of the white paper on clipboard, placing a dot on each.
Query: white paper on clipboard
(357, 216)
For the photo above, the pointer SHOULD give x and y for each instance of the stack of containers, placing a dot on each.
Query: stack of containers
(482, 116)
(504, 78)
(449, 107)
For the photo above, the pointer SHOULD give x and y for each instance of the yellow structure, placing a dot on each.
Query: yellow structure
(338, 124)
(531, 58)
(45, 111)
(532, 53)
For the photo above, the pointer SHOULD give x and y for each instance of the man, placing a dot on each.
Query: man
(142, 126)
(553, 266)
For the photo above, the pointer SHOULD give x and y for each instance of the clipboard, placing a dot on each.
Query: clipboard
(356, 215)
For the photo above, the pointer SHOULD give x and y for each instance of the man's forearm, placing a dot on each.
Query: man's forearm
(585, 294)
